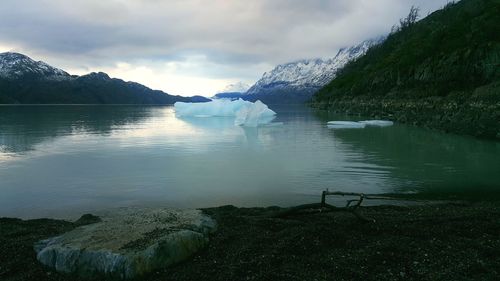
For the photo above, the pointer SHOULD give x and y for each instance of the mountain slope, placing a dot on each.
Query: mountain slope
(441, 72)
(16, 66)
(25, 81)
(232, 91)
(238, 87)
(298, 81)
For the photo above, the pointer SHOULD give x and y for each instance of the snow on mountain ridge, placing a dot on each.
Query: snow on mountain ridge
(15, 65)
(308, 74)
(238, 87)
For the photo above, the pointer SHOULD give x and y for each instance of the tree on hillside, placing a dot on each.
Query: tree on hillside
(408, 21)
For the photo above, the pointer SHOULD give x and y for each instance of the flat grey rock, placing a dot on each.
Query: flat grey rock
(128, 242)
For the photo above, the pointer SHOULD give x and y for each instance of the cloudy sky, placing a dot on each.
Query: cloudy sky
(191, 47)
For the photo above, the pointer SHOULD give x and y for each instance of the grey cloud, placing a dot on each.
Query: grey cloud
(233, 33)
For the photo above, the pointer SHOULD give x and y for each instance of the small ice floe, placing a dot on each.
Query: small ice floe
(359, 124)
(345, 125)
(377, 123)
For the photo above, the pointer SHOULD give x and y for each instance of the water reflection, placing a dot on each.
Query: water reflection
(427, 163)
(215, 127)
(210, 123)
(23, 127)
(72, 159)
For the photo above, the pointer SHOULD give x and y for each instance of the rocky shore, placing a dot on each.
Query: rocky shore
(454, 241)
(477, 118)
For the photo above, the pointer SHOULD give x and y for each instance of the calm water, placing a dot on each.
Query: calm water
(61, 161)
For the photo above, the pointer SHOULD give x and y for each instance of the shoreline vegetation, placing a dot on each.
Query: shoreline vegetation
(449, 241)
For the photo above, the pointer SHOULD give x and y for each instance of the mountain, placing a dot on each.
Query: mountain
(298, 81)
(440, 72)
(238, 87)
(17, 66)
(229, 95)
(25, 81)
(232, 91)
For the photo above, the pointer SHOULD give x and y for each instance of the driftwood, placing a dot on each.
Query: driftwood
(351, 206)
(319, 207)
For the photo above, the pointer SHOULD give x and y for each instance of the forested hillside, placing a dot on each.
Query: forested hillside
(442, 72)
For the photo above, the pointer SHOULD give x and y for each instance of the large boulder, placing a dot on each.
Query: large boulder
(128, 242)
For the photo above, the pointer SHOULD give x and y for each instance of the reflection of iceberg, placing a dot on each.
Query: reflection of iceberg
(215, 123)
(377, 123)
(246, 113)
(358, 125)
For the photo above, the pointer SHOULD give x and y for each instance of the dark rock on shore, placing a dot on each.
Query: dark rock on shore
(87, 219)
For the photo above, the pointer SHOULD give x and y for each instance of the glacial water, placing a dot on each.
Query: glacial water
(62, 161)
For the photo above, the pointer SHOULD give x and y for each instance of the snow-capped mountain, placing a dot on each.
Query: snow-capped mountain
(232, 91)
(239, 87)
(15, 65)
(301, 79)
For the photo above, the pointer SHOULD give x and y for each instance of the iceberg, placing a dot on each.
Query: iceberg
(246, 113)
(358, 125)
(256, 114)
(345, 125)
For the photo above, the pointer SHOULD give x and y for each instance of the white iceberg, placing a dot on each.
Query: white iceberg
(345, 125)
(246, 113)
(253, 115)
(377, 123)
(358, 125)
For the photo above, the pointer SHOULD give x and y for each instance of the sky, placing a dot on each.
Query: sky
(192, 47)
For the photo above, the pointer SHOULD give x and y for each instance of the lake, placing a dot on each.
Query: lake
(62, 161)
